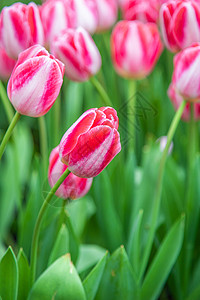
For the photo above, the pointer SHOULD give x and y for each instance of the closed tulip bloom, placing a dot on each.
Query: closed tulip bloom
(186, 75)
(135, 48)
(91, 142)
(35, 82)
(180, 24)
(57, 15)
(20, 28)
(77, 50)
(6, 65)
(87, 14)
(107, 13)
(177, 99)
(73, 187)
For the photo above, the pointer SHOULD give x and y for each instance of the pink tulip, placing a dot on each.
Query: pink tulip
(6, 65)
(73, 187)
(77, 50)
(87, 14)
(186, 75)
(35, 82)
(107, 13)
(56, 16)
(135, 48)
(20, 28)
(91, 142)
(180, 24)
(177, 99)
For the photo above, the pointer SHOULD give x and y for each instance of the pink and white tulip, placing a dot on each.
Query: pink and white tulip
(177, 99)
(135, 48)
(35, 82)
(77, 50)
(91, 142)
(20, 28)
(73, 187)
(186, 75)
(56, 16)
(6, 65)
(180, 24)
(107, 13)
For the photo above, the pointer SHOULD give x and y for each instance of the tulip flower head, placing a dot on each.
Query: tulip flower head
(135, 48)
(20, 28)
(6, 65)
(91, 142)
(107, 13)
(35, 82)
(180, 24)
(77, 50)
(73, 187)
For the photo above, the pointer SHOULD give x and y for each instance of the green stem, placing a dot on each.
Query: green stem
(6, 103)
(43, 143)
(131, 114)
(104, 96)
(56, 121)
(8, 133)
(158, 191)
(34, 247)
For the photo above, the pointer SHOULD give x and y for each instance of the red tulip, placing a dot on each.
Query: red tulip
(6, 65)
(135, 48)
(72, 187)
(20, 28)
(91, 142)
(35, 82)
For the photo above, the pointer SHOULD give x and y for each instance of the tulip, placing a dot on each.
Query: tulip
(186, 75)
(135, 48)
(163, 142)
(177, 99)
(72, 187)
(180, 24)
(107, 13)
(87, 14)
(76, 49)
(91, 142)
(6, 65)
(20, 28)
(56, 16)
(35, 82)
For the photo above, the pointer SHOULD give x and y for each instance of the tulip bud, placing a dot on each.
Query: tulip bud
(77, 50)
(35, 82)
(56, 16)
(107, 13)
(163, 142)
(87, 15)
(135, 48)
(6, 65)
(91, 142)
(72, 187)
(20, 28)
(180, 24)
(186, 75)
(177, 99)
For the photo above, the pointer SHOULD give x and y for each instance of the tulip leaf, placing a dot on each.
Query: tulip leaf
(61, 246)
(163, 262)
(195, 294)
(8, 276)
(24, 276)
(91, 282)
(59, 281)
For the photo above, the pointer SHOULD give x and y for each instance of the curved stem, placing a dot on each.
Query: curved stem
(8, 133)
(158, 191)
(43, 143)
(104, 96)
(6, 102)
(40, 217)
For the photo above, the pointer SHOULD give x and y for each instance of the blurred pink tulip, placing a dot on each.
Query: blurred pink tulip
(186, 75)
(91, 142)
(35, 82)
(20, 28)
(6, 65)
(57, 15)
(177, 99)
(77, 50)
(107, 13)
(73, 187)
(180, 24)
(135, 48)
